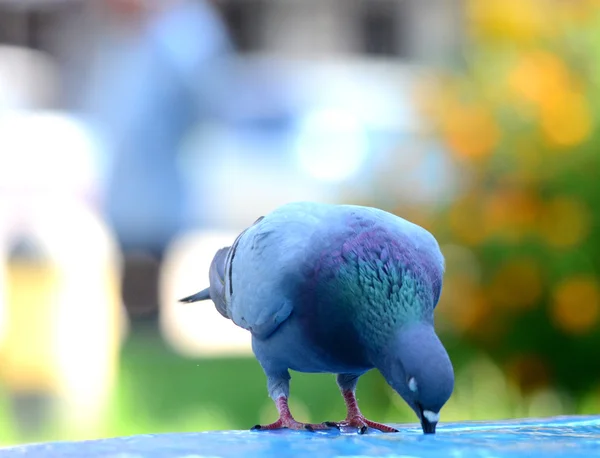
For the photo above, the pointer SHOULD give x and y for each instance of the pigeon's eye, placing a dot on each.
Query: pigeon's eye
(412, 384)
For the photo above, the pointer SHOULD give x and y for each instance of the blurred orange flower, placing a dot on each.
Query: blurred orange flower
(470, 131)
(543, 79)
(576, 304)
(539, 75)
(510, 213)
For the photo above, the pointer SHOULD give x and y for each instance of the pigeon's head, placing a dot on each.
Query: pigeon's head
(418, 368)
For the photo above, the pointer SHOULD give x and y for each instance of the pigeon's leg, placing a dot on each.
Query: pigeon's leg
(354, 418)
(279, 388)
(286, 420)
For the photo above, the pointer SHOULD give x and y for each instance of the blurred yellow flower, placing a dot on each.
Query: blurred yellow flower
(565, 118)
(539, 75)
(517, 284)
(29, 358)
(516, 20)
(564, 222)
(575, 305)
(470, 131)
(544, 80)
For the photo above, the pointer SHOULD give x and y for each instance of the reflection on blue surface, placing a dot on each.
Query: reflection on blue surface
(558, 437)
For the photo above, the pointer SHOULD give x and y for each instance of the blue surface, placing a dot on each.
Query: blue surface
(557, 437)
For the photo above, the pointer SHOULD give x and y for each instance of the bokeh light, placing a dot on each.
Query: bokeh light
(197, 329)
(576, 305)
(331, 145)
(471, 131)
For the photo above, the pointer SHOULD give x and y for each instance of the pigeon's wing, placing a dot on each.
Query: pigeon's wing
(265, 266)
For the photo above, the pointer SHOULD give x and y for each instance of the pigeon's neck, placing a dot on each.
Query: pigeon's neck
(376, 301)
(378, 280)
(390, 300)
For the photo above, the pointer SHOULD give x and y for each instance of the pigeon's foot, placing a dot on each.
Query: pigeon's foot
(286, 420)
(356, 419)
(290, 423)
(362, 425)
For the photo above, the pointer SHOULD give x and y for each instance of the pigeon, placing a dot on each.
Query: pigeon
(340, 289)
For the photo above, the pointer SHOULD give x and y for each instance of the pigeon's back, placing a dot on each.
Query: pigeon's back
(255, 282)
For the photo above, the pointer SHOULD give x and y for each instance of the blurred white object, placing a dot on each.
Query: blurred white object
(28, 79)
(48, 185)
(331, 145)
(46, 152)
(197, 329)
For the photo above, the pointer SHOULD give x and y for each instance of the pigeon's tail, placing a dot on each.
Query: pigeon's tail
(201, 296)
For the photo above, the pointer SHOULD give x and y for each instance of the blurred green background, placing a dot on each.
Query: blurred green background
(136, 138)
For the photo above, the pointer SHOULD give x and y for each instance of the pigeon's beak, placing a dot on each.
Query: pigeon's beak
(428, 427)
(426, 423)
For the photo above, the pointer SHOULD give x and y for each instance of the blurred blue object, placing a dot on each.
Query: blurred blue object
(564, 437)
(152, 83)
